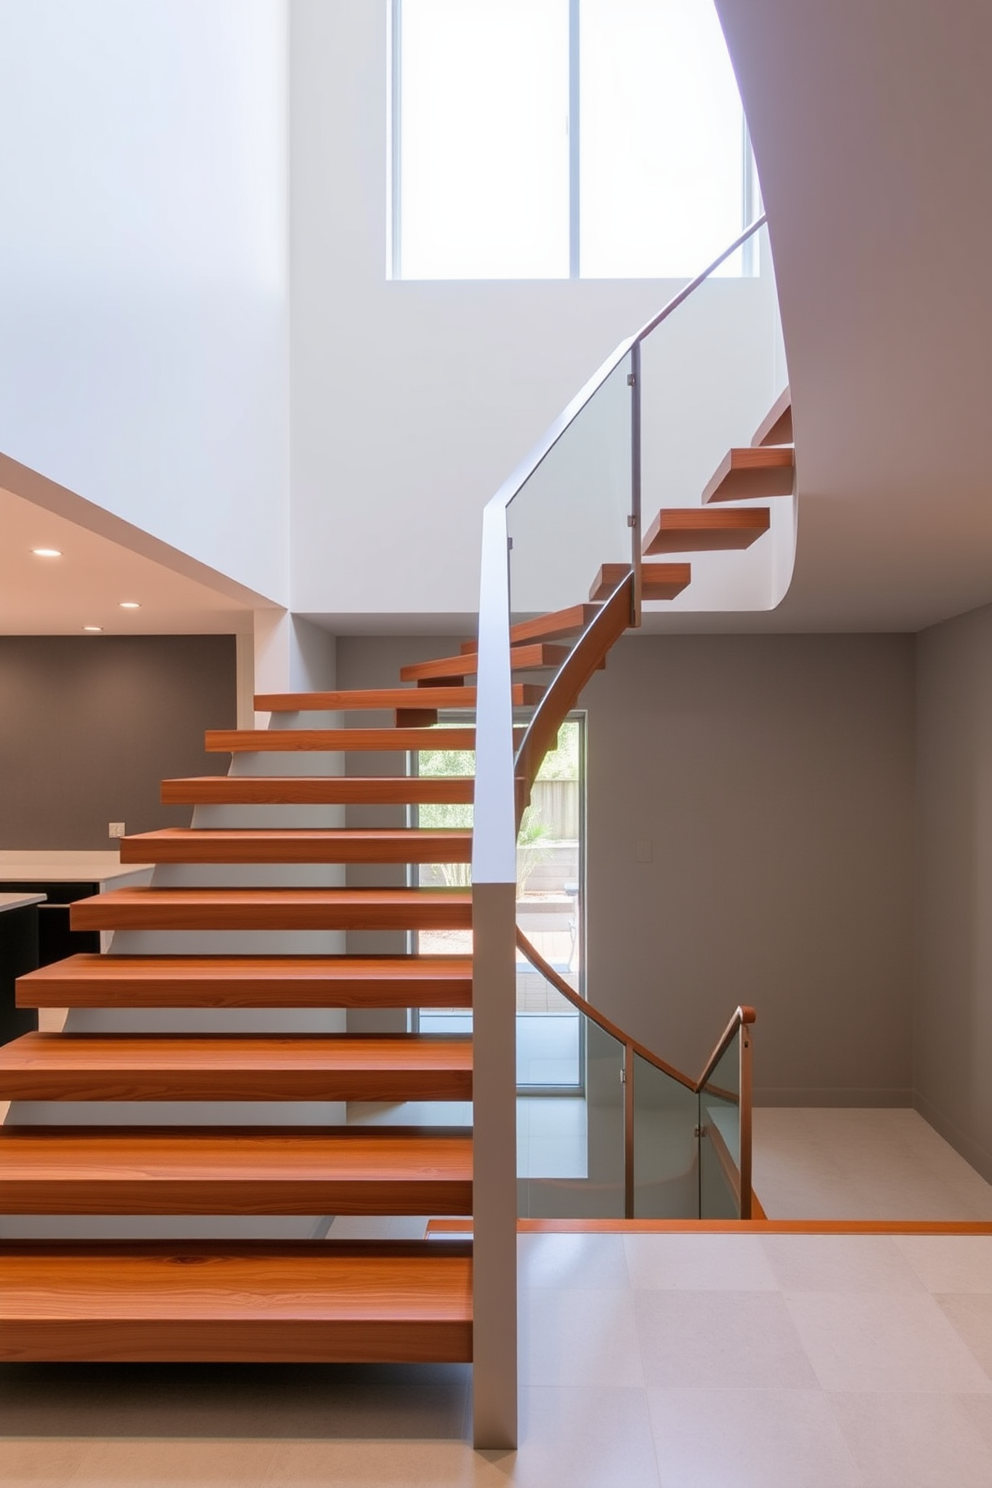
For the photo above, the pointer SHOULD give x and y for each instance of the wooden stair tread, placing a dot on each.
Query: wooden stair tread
(371, 740)
(522, 658)
(90, 980)
(274, 909)
(245, 1170)
(705, 530)
(298, 845)
(524, 694)
(555, 626)
(768, 470)
(312, 1302)
(321, 790)
(338, 1067)
(658, 580)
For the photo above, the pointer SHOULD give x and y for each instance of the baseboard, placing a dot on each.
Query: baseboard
(834, 1096)
(973, 1152)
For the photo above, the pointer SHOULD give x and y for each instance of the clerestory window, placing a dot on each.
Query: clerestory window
(547, 139)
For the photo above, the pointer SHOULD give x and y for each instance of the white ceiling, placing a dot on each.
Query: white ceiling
(58, 596)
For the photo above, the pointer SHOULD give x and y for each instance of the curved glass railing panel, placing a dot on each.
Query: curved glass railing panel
(570, 1149)
(708, 375)
(628, 1140)
(725, 1128)
(564, 533)
(665, 1156)
(571, 515)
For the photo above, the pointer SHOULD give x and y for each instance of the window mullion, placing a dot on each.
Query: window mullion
(574, 125)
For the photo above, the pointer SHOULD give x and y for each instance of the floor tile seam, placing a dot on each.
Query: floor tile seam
(833, 1397)
(956, 1336)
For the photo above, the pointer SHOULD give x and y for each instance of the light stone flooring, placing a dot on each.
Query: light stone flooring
(648, 1361)
(861, 1164)
(668, 1361)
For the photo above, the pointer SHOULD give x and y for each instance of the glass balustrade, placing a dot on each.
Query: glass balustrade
(724, 1133)
(566, 570)
(666, 1158)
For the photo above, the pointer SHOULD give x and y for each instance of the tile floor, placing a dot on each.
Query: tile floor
(669, 1361)
(861, 1164)
(648, 1361)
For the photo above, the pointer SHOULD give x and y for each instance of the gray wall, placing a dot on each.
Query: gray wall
(772, 777)
(953, 1013)
(89, 725)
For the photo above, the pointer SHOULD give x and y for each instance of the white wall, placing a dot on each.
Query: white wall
(411, 401)
(143, 266)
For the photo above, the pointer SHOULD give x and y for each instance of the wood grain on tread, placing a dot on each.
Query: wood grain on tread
(298, 845)
(551, 627)
(90, 980)
(658, 580)
(522, 659)
(263, 1067)
(524, 693)
(274, 909)
(201, 1302)
(318, 790)
(285, 741)
(746, 473)
(248, 1170)
(360, 699)
(706, 530)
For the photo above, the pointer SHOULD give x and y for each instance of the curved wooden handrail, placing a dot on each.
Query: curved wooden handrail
(742, 1016)
(594, 1015)
(603, 630)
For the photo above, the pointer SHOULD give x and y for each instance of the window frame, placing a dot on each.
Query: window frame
(750, 192)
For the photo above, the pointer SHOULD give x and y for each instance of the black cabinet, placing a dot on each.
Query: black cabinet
(18, 955)
(56, 939)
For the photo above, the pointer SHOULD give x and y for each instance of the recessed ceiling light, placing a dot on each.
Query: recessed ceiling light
(92, 627)
(129, 604)
(47, 552)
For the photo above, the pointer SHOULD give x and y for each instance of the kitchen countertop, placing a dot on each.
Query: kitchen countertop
(18, 901)
(65, 867)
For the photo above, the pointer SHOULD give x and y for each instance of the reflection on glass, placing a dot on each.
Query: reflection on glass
(595, 1192)
(720, 1145)
(666, 1181)
(570, 516)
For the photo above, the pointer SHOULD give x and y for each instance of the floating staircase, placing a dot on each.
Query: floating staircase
(142, 1297)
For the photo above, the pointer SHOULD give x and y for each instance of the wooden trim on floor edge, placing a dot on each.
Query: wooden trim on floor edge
(754, 1226)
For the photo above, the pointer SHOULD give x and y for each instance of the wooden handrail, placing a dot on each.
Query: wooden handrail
(603, 630)
(742, 1016)
(595, 1016)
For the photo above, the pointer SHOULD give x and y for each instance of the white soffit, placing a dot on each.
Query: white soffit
(87, 584)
